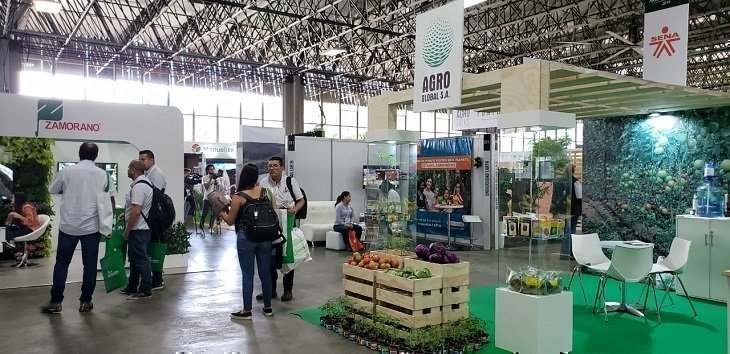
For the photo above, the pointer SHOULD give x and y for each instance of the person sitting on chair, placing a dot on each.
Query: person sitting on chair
(344, 218)
(22, 220)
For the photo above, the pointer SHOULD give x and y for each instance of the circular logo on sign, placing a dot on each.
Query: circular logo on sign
(195, 148)
(437, 43)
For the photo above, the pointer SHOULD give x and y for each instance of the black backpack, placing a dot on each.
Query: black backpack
(162, 211)
(259, 218)
(302, 213)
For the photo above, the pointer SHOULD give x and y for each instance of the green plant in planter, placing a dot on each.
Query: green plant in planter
(178, 239)
(32, 164)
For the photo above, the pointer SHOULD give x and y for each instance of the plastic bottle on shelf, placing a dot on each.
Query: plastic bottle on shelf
(710, 198)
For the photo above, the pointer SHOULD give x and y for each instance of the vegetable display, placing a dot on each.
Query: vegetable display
(373, 262)
(436, 253)
(409, 273)
(534, 281)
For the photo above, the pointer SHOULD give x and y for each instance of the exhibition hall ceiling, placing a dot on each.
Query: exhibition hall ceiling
(346, 47)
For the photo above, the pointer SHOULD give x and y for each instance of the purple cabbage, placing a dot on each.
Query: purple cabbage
(449, 257)
(422, 252)
(437, 247)
(436, 258)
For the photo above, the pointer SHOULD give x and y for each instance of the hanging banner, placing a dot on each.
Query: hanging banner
(439, 58)
(444, 186)
(665, 41)
(471, 119)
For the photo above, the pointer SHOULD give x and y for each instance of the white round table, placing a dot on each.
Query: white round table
(448, 209)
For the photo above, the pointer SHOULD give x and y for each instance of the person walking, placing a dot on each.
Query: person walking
(79, 186)
(138, 202)
(210, 184)
(155, 175)
(250, 251)
(290, 199)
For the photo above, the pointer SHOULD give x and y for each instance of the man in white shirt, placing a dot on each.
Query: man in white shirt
(210, 184)
(155, 175)
(79, 186)
(291, 200)
(137, 233)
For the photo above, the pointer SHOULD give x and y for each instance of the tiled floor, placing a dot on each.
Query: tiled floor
(192, 313)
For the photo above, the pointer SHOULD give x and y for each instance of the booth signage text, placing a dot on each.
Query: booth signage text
(665, 41)
(439, 58)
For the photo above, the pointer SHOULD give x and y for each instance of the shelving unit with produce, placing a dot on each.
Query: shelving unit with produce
(414, 300)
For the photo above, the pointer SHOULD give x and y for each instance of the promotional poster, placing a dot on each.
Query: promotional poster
(444, 185)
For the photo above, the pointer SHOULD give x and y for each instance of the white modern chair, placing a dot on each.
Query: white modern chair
(588, 254)
(44, 220)
(629, 264)
(674, 265)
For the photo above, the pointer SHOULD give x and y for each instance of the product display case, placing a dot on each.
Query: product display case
(389, 183)
(535, 193)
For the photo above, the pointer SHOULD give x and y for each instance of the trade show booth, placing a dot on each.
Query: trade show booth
(120, 131)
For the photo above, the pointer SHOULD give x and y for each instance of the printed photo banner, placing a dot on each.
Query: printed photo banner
(444, 185)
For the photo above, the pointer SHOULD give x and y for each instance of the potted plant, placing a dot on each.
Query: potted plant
(178, 245)
(362, 328)
(328, 310)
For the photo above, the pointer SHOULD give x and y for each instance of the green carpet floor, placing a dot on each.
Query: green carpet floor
(679, 331)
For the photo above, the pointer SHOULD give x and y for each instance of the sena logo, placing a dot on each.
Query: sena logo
(663, 43)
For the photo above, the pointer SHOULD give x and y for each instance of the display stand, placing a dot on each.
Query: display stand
(531, 324)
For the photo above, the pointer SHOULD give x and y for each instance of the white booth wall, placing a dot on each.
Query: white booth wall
(326, 167)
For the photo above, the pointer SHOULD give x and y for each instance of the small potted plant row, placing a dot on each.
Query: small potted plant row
(377, 332)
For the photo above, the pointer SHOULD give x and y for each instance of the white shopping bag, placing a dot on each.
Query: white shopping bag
(301, 251)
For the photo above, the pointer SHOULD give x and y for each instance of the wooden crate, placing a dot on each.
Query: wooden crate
(359, 287)
(453, 275)
(454, 312)
(455, 295)
(414, 303)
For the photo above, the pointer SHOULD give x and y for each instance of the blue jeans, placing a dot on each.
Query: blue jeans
(139, 261)
(342, 229)
(247, 251)
(64, 253)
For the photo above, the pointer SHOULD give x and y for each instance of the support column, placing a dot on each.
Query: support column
(382, 114)
(10, 66)
(293, 98)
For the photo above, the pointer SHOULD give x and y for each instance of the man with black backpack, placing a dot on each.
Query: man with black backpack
(157, 178)
(137, 232)
(288, 196)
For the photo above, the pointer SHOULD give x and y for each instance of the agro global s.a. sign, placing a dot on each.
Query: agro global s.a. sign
(439, 58)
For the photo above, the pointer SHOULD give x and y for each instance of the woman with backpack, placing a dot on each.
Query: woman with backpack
(249, 206)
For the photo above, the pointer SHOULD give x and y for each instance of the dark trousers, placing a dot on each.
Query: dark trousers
(288, 279)
(14, 231)
(341, 228)
(139, 261)
(64, 253)
(207, 208)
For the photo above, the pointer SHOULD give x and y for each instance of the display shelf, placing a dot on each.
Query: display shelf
(359, 287)
(453, 275)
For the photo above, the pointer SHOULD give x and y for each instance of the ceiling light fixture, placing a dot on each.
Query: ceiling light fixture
(48, 6)
(470, 3)
(334, 51)
(536, 128)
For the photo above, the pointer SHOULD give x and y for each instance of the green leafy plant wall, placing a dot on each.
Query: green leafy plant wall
(32, 164)
(640, 172)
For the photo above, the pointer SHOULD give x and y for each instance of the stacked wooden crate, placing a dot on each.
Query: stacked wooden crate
(359, 287)
(454, 287)
(414, 303)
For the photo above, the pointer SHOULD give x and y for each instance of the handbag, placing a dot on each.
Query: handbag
(288, 256)
(300, 251)
(355, 244)
(105, 210)
(112, 269)
(157, 251)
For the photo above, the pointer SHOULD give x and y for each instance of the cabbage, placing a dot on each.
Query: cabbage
(422, 252)
(437, 247)
(436, 258)
(450, 257)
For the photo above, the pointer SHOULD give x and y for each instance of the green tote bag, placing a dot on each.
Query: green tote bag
(112, 268)
(157, 253)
